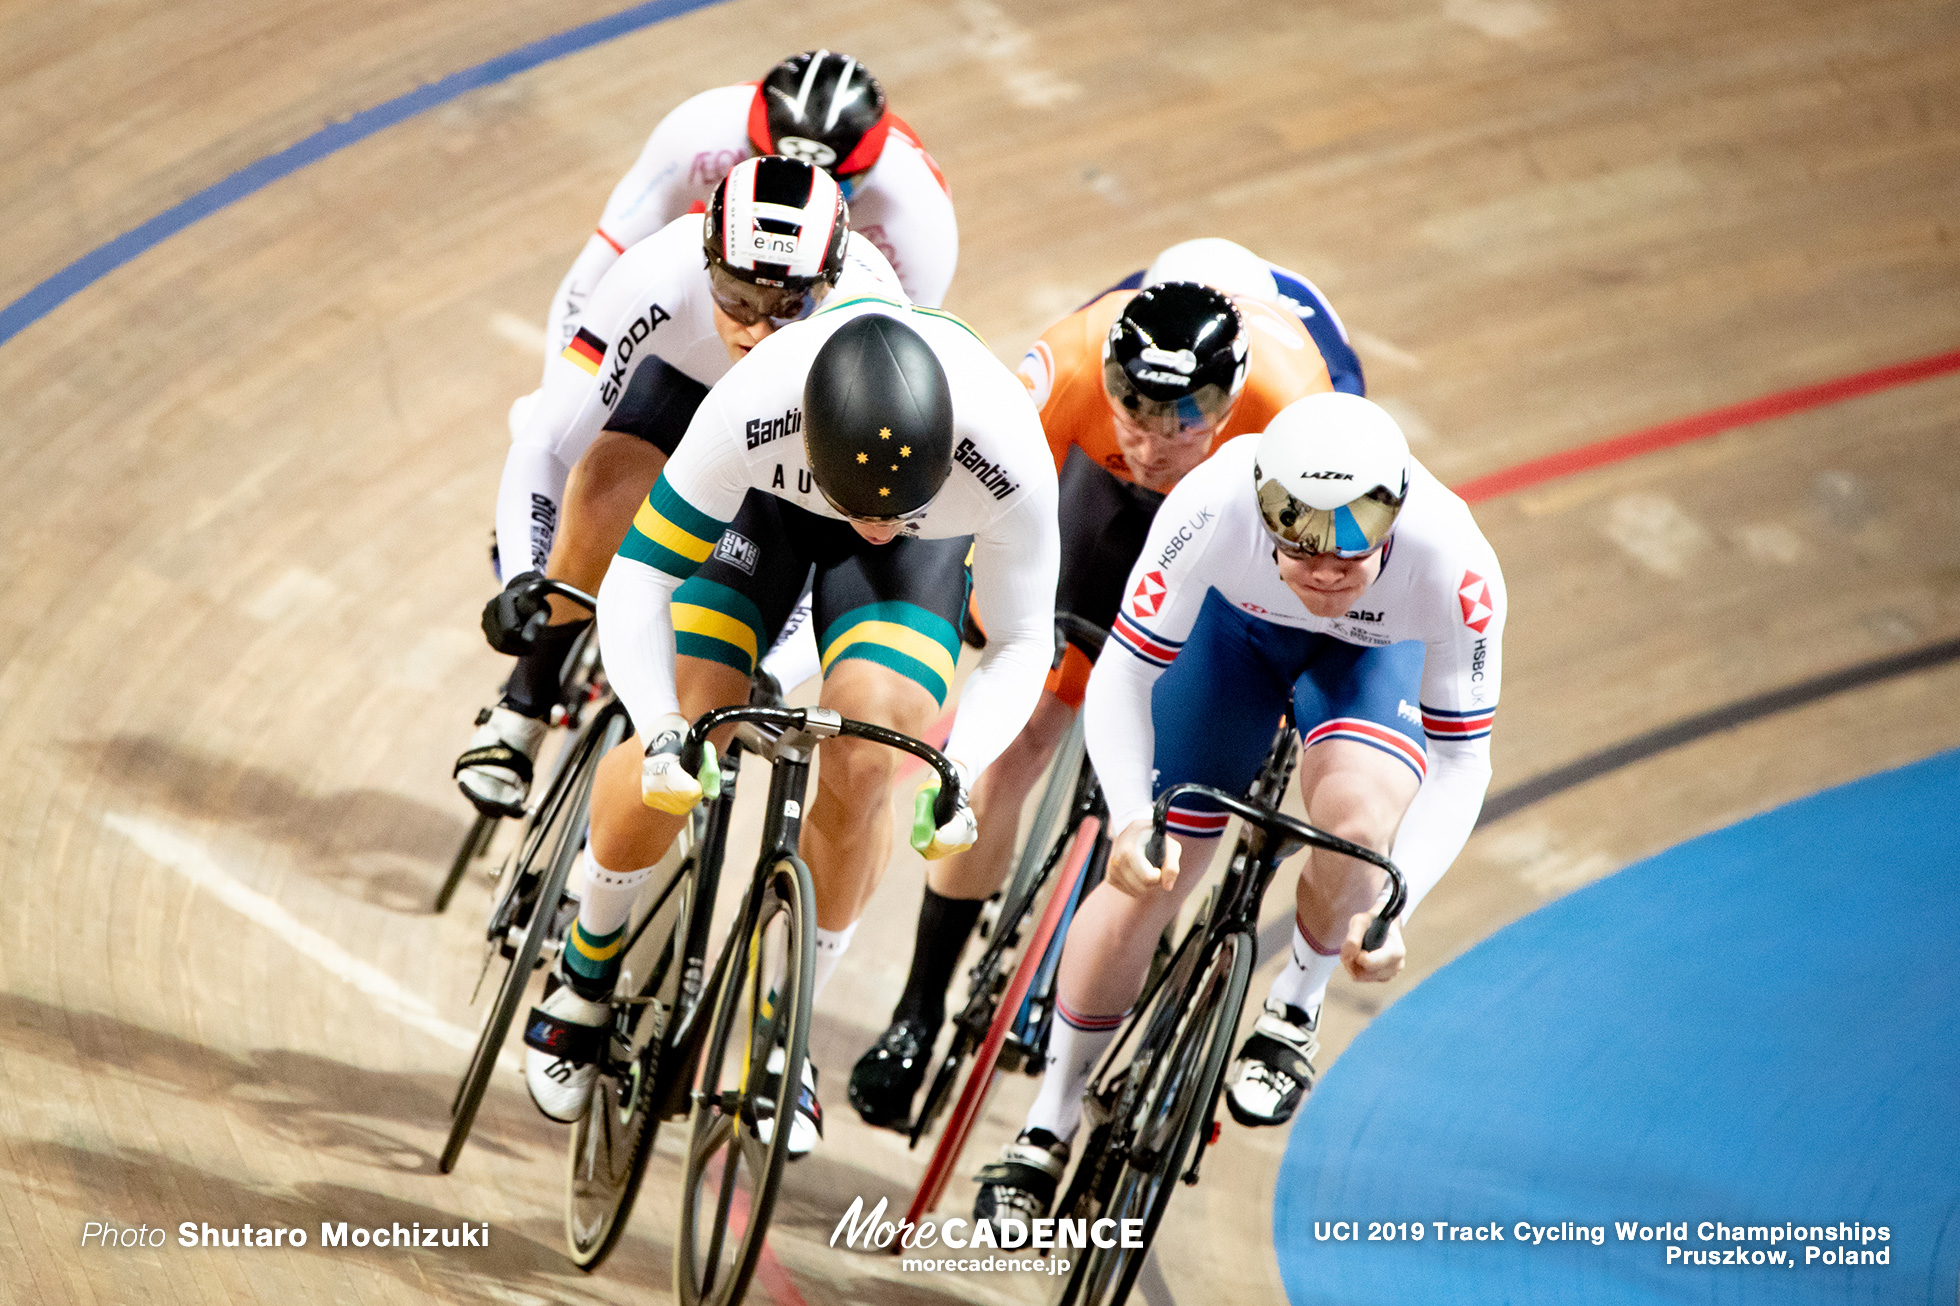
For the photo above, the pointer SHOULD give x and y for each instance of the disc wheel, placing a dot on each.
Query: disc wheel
(752, 1066)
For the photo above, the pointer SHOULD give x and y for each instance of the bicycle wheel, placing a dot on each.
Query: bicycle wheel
(474, 845)
(1086, 844)
(612, 1140)
(767, 971)
(1171, 1084)
(1062, 797)
(556, 841)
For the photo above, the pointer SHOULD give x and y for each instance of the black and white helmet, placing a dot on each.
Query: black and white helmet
(774, 238)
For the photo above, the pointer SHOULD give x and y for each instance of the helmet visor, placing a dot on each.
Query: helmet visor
(1353, 530)
(886, 519)
(1199, 413)
(749, 302)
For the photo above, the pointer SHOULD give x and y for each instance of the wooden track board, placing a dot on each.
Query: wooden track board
(248, 479)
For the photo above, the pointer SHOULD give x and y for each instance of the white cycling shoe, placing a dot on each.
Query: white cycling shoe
(806, 1124)
(562, 1041)
(494, 772)
(1274, 1071)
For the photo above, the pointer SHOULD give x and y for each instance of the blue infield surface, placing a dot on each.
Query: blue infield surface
(1758, 1030)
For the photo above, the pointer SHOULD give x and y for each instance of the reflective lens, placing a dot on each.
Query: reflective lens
(1199, 413)
(1353, 530)
(747, 303)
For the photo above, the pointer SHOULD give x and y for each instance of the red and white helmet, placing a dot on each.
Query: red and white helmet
(822, 107)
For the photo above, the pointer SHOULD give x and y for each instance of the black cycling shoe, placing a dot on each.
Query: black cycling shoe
(887, 1078)
(1020, 1187)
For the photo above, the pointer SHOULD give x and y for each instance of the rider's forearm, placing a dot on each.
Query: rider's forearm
(528, 502)
(1000, 695)
(636, 637)
(1443, 814)
(1120, 735)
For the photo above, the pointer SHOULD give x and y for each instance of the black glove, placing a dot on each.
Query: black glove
(514, 619)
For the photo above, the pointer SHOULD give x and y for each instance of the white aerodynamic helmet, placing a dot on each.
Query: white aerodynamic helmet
(1331, 472)
(1212, 261)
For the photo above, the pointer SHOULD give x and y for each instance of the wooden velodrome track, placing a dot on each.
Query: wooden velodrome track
(245, 484)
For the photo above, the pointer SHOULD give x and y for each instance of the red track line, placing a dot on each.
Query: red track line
(1702, 425)
(775, 1279)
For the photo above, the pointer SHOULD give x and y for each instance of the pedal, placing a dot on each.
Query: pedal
(989, 916)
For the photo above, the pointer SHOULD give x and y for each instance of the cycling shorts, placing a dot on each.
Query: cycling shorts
(1216, 706)
(1104, 522)
(896, 604)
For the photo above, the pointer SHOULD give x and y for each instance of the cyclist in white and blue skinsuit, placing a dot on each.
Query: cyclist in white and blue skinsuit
(1236, 270)
(1317, 563)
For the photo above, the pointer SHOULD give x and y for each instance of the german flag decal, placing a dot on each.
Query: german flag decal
(586, 350)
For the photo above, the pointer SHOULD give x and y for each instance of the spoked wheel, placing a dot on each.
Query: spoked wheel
(1165, 1099)
(524, 916)
(752, 1067)
(611, 1142)
(474, 845)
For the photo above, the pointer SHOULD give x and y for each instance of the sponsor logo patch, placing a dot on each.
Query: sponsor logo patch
(737, 550)
(991, 477)
(762, 430)
(1474, 594)
(1149, 596)
(629, 343)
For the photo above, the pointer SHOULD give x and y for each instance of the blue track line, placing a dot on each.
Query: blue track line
(104, 259)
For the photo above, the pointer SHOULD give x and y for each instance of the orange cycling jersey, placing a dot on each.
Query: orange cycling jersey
(1064, 374)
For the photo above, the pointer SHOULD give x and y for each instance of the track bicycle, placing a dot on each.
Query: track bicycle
(583, 682)
(723, 1039)
(1155, 1092)
(535, 874)
(1010, 997)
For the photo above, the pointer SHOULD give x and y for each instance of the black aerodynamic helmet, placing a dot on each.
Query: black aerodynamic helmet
(821, 107)
(1175, 358)
(878, 420)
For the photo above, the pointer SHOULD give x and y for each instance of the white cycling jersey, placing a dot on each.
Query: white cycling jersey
(1439, 583)
(901, 204)
(642, 360)
(1001, 492)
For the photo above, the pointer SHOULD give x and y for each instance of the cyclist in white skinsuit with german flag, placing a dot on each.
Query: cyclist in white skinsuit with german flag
(819, 106)
(666, 322)
(884, 446)
(1315, 562)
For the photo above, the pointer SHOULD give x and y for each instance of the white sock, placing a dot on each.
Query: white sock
(830, 950)
(1303, 983)
(1074, 1047)
(607, 903)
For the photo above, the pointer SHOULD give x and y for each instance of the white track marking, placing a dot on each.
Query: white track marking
(1506, 20)
(1006, 45)
(1654, 531)
(526, 335)
(1376, 347)
(192, 862)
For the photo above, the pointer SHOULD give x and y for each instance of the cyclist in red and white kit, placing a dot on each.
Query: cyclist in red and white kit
(1318, 563)
(819, 106)
(666, 322)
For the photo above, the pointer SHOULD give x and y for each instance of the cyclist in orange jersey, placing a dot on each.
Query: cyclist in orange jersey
(1135, 389)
